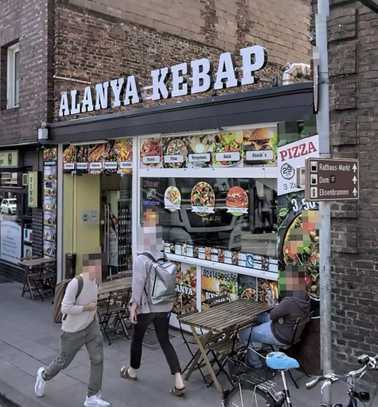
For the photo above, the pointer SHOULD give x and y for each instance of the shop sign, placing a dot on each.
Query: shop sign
(10, 241)
(201, 158)
(33, 189)
(332, 179)
(176, 81)
(227, 156)
(9, 159)
(291, 158)
(173, 159)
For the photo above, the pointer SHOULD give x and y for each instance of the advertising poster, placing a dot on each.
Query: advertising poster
(298, 240)
(267, 291)
(82, 158)
(50, 155)
(10, 241)
(237, 201)
(151, 153)
(172, 199)
(247, 287)
(109, 157)
(203, 199)
(175, 152)
(69, 158)
(186, 289)
(291, 157)
(260, 146)
(96, 156)
(228, 150)
(200, 150)
(124, 153)
(216, 283)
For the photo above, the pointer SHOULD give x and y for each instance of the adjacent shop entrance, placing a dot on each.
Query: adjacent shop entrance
(97, 219)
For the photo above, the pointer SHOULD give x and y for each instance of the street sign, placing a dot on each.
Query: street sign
(331, 179)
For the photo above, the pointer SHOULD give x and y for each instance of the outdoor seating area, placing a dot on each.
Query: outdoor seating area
(210, 337)
(215, 332)
(39, 277)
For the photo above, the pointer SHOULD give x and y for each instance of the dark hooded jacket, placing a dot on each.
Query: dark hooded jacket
(290, 317)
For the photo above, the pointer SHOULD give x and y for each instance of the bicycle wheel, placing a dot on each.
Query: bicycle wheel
(245, 395)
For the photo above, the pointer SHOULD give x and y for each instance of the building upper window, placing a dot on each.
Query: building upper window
(13, 76)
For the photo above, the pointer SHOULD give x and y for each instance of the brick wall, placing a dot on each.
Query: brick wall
(353, 53)
(25, 21)
(102, 43)
(225, 24)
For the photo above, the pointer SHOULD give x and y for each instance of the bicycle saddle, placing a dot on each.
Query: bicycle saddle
(280, 361)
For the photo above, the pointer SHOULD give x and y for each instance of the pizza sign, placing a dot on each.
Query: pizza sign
(291, 157)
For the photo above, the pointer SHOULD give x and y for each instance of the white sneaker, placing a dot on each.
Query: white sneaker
(96, 401)
(40, 383)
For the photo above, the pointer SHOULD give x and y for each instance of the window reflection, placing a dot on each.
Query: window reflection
(251, 229)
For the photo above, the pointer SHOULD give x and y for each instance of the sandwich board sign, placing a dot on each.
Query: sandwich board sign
(332, 179)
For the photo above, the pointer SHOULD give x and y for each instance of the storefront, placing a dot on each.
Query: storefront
(197, 180)
(19, 202)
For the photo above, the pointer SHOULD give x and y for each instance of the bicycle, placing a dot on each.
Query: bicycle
(248, 393)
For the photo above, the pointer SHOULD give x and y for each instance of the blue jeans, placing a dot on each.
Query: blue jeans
(257, 335)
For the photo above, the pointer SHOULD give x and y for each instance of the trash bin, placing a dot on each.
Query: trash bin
(70, 265)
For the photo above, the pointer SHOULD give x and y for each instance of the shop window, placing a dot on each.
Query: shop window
(228, 215)
(13, 76)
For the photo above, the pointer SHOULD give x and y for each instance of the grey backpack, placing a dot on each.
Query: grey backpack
(162, 280)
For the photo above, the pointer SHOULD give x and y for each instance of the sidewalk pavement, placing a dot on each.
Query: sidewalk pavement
(29, 339)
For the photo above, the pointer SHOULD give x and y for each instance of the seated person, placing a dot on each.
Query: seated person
(279, 327)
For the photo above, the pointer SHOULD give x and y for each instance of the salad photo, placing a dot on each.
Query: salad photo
(228, 149)
(200, 150)
(203, 198)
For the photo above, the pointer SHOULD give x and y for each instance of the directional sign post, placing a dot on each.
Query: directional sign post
(332, 179)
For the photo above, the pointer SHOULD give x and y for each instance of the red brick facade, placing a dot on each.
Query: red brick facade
(104, 42)
(25, 21)
(353, 53)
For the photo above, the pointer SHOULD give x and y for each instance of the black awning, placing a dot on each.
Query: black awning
(285, 103)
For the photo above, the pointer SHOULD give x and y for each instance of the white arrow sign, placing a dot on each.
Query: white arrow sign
(354, 168)
(354, 180)
(355, 192)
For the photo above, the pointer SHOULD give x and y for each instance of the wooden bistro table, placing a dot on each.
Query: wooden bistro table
(226, 319)
(112, 286)
(112, 309)
(34, 275)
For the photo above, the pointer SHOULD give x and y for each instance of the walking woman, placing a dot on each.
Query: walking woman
(143, 313)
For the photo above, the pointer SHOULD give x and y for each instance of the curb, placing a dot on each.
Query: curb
(10, 397)
(6, 402)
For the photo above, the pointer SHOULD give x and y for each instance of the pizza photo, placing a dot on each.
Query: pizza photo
(203, 198)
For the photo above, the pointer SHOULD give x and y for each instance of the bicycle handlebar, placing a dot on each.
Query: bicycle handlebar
(313, 382)
(368, 362)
